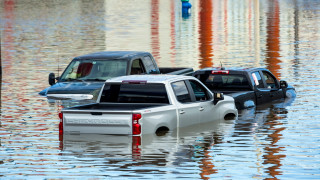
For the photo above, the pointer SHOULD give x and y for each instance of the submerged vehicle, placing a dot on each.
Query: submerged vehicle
(145, 104)
(85, 75)
(248, 86)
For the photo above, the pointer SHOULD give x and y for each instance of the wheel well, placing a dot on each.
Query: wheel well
(161, 131)
(229, 116)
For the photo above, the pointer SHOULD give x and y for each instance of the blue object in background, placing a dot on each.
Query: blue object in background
(185, 8)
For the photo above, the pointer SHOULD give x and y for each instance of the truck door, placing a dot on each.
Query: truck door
(188, 110)
(272, 85)
(267, 88)
(203, 98)
(261, 92)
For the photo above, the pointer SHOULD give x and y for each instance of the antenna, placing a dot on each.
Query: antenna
(58, 68)
(222, 68)
(58, 64)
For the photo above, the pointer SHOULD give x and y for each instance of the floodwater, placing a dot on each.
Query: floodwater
(276, 141)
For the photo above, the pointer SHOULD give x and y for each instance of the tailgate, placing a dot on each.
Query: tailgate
(97, 122)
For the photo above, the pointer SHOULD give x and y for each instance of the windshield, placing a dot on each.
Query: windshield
(94, 70)
(225, 82)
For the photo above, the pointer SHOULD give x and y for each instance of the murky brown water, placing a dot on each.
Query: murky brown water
(276, 141)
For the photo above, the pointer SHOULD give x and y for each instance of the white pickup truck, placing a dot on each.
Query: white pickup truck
(145, 104)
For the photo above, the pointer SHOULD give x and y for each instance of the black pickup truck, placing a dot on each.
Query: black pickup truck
(248, 86)
(86, 74)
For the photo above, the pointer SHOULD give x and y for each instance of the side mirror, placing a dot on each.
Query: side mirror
(52, 79)
(283, 84)
(217, 97)
(153, 71)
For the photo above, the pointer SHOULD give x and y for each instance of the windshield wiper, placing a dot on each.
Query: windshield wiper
(70, 79)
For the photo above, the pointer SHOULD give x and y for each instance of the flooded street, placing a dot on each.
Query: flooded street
(274, 141)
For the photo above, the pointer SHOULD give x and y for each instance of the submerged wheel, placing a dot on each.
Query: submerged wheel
(161, 131)
(229, 116)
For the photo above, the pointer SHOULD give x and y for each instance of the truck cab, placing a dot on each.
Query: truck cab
(85, 75)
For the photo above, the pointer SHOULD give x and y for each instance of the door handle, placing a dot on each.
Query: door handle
(96, 113)
(182, 112)
(260, 96)
(201, 109)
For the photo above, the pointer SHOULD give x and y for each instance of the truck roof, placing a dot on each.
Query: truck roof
(108, 55)
(154, 78)
(231, 70)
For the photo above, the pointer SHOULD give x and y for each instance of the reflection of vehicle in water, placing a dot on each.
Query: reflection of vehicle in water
(145, 104)
(259, 114)
(162, 148)
(264, 126)
(248, 86)
(85, 75)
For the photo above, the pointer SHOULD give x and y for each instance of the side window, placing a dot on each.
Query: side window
(270, 80)
(199, 91)
(257, 79)
(181, 91)
(148, 63)
(137, 67)
(72, 71)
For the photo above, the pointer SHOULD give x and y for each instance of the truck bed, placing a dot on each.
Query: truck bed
(176, 71)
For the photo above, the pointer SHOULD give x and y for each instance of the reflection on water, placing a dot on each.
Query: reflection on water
(205, 33)
(187, 147)
(275, 141)
(264, 123)
(273, 41)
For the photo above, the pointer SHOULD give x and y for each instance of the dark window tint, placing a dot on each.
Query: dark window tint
(225, 82)
(135, 93)
(270, 80)
(181, 91)
(199, 91)
(137, 67)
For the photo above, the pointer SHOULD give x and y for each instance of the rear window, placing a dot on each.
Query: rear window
(225, 82)
(135, 93)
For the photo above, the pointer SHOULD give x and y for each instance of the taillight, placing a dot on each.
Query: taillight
(61, 122)
(219, 72)
(136, 127)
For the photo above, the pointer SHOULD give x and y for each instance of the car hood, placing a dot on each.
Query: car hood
(72, 90)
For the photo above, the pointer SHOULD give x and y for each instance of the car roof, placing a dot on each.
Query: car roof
(152, 78)
(107, 55)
